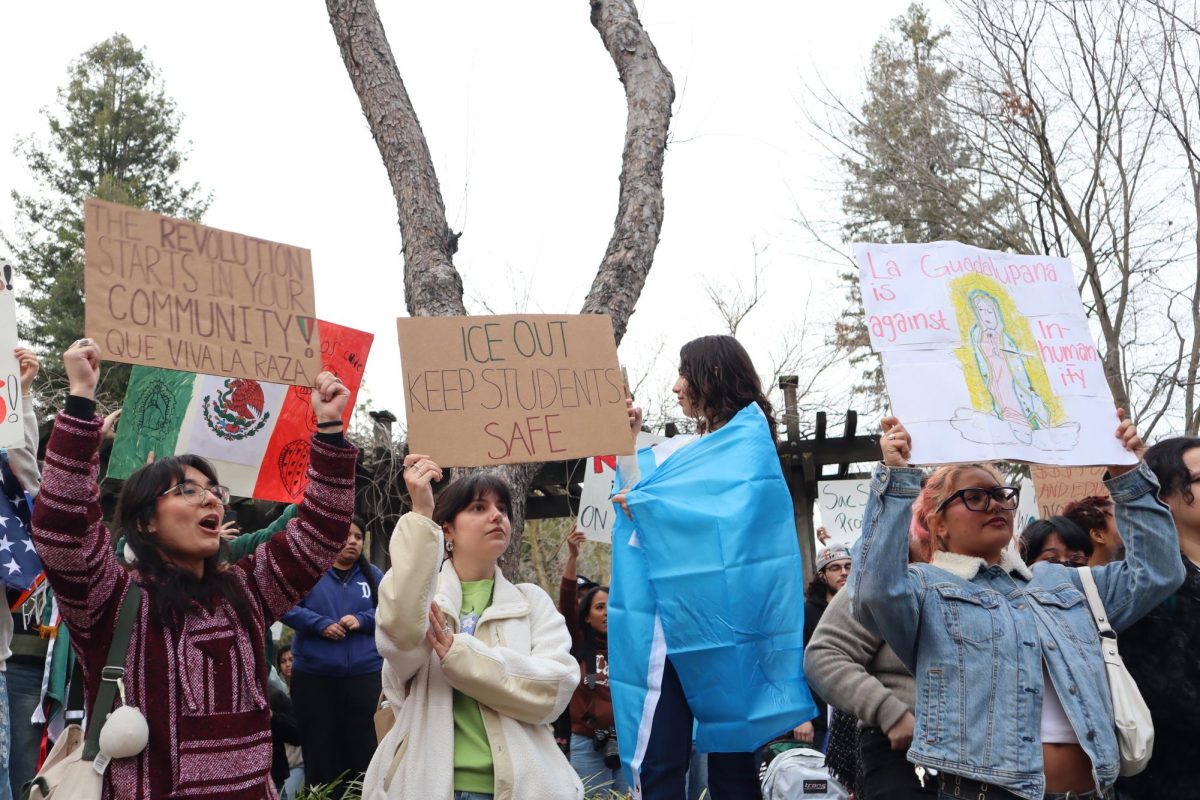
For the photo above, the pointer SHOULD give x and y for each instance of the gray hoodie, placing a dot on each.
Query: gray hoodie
(854, 670)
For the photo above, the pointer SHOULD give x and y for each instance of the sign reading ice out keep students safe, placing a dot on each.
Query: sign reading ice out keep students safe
(841, 505)
(596, 509)
(988, 355)
(512, 389)
(171, 293)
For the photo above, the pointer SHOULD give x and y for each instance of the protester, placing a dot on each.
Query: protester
(195, 661)
(855, 671)
(476, 668)
(718, 640)
(284, 733)
(1096, 516)
(22, 659)
(593, 750)
(335, 675)
(832, 572)
(1007, 659)
(292, 756)
(1162, 650)
(1058, 540)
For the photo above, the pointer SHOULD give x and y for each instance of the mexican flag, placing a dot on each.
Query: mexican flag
(255, 434)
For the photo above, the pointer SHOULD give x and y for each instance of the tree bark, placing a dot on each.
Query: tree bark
(432, 285)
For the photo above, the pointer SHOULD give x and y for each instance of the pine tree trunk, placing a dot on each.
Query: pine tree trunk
(432, 285)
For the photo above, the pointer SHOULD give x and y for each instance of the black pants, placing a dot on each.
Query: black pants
(731, 776)
(886, 773)
(337, 726)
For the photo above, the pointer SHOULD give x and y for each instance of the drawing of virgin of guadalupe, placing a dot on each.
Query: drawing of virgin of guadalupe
(1002, 365)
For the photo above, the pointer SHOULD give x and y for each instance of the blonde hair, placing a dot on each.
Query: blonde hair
(938, 487)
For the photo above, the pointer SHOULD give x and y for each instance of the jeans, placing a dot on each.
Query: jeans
(598, 779)
(5, 738)
(731, 776)
(293, 784)
(472, 796)
(24, 681)
(886, 773)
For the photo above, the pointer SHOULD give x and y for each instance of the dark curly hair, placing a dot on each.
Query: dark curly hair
(1090, 513)
(721, 381)
(1165, 460)
(173, 590)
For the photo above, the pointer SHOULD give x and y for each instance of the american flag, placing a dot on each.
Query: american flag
(19, 562)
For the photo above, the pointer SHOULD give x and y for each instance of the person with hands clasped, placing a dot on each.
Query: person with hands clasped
(475, 667)
(335, 673)
(1012, 695)
(195, 663)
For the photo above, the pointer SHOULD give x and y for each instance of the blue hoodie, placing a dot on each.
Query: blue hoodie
(329, 601)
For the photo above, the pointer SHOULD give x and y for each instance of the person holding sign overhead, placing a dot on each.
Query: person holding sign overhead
(1013, 699)
(475, 667)
(195, 663)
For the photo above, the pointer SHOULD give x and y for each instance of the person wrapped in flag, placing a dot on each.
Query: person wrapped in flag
(706, 611)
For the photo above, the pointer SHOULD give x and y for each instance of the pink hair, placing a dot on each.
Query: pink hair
(938, 486)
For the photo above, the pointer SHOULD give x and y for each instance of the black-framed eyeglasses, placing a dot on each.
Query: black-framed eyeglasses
(976, 498)
(194, 492)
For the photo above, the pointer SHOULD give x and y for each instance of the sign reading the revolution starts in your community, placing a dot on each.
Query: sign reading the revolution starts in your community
(512, 389)
(171, 293)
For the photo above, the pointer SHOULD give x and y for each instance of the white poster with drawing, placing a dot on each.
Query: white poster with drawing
(987, 356)
(12, 432)
(841, 505)
(596, 511)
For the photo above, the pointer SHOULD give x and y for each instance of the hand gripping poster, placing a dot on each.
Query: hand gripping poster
(256, 434)
(987, 355)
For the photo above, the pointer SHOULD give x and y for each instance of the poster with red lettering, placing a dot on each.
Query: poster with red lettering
(512, 389)
(987, 355)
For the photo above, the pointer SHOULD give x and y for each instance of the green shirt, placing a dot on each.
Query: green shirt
(472, 752)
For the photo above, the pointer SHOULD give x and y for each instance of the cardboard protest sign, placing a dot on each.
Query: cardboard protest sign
(596, 510)
(255, 434)
(1027, 508)
(988, 355)
(12, 431)
(176, 294)
(841, 505)
(1057, 487)
(512, 389)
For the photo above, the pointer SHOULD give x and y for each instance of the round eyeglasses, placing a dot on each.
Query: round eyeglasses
(194, 492)
(976, 498)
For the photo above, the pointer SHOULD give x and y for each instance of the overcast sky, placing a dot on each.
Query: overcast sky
(525, 116)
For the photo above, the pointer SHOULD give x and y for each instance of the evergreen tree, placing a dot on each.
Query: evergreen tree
(114, 135)
(911, 175)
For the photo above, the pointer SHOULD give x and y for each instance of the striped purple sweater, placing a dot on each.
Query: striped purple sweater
(202, 689)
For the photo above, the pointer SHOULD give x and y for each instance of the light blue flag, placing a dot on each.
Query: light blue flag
(709, 573)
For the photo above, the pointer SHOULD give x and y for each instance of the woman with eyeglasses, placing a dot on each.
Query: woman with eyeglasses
(1058, 540)
(1012, 693)
(832, 570)
(195, 666)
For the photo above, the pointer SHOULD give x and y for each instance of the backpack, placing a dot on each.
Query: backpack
(800, 774)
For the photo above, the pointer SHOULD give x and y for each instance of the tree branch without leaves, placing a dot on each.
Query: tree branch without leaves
(432, 285)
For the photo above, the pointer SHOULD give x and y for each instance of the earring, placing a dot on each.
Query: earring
(450, 548)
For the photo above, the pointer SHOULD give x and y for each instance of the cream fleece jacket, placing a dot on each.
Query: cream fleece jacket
(518, 666)
(855, 670)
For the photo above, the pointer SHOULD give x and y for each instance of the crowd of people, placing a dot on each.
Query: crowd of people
(948, 654)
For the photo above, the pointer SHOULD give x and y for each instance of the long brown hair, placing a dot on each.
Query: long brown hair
(721, 381)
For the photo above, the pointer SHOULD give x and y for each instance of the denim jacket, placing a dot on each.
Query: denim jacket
(976, 636)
